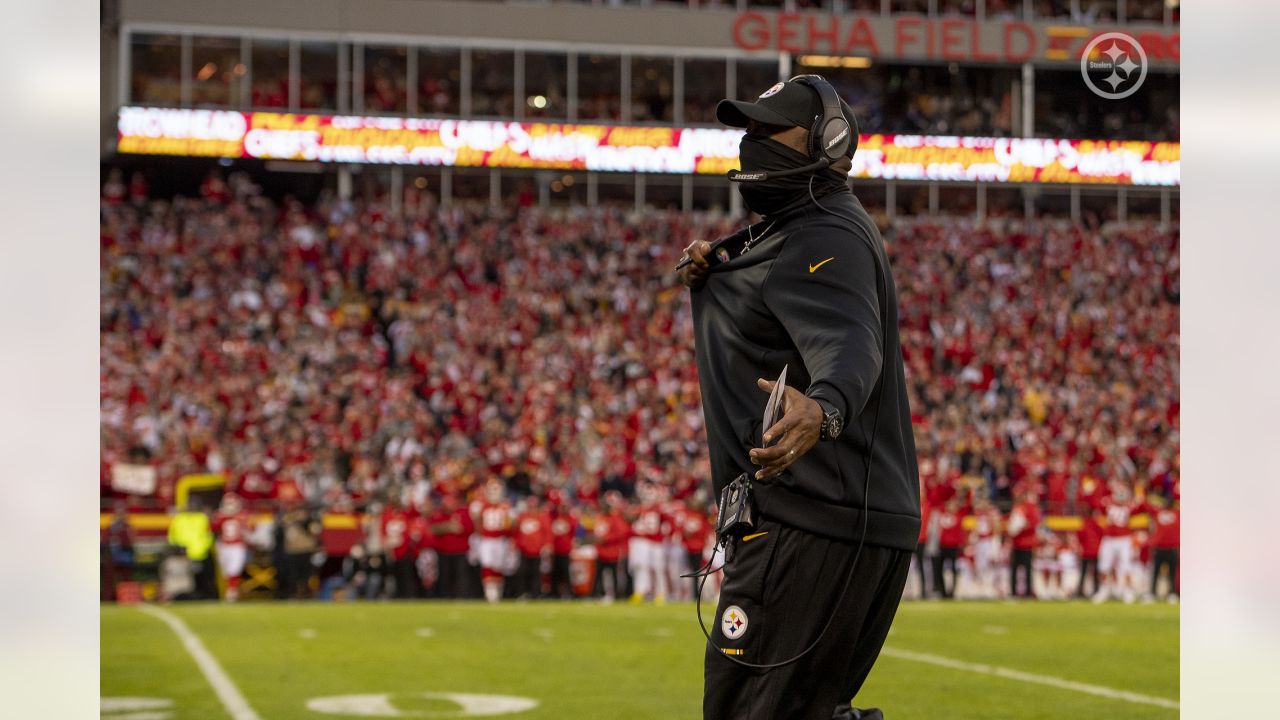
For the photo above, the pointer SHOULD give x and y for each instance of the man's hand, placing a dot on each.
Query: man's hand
(796, 431)
(694, 275)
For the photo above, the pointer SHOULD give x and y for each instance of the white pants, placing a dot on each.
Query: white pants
(231, 559)
(647, 561)
(1115, 553)
(986, 553)
(494, 554)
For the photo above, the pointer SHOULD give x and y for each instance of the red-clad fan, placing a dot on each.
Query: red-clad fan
(1115, 552)
(694, 530)
(258, 481)
(533, 540)
(985, 540)
(1024, 528)
(394, 527)
(951, 539)
(1166, 541)
(564, 526)
(611, 534)
(494, 518)
(452, 526)
(231, 525)
(647, 561)
(1091, 491)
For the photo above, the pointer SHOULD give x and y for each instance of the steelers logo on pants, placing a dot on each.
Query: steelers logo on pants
(733, 622)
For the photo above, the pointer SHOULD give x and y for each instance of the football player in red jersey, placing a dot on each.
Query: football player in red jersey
(451, 525)
(1024, 528)
(394, 527)
(985, 540)
(919, 566)
(493, 516)
(694, 529)
(1090, 538)
(231, 524)
(951, 540)
(611, 533)
(533, 540)
(1115, 552)
(564, 525)
(648, 563)
(1166, 523)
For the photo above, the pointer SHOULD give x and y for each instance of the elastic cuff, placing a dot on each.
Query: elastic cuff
(824, 393)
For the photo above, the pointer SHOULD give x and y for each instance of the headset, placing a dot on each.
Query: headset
(830, 134)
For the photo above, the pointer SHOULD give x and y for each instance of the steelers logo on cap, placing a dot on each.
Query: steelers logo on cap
(733, 623)
(771, 91)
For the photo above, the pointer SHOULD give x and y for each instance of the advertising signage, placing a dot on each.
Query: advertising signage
(442, 142)
(947, 39)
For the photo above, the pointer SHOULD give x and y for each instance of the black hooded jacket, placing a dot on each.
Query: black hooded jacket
(809, 293)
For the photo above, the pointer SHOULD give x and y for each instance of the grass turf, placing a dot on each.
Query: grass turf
(623, 662)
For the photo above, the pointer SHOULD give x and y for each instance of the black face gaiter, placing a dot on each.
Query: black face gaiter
(777, 195)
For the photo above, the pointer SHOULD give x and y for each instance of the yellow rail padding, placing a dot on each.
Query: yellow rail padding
(344, 521)
(160, 521)
(1068, 523)
(182, 489)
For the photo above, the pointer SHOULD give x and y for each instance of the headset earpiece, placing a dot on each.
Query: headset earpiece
(830, 135)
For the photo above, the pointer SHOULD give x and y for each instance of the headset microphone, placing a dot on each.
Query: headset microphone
(761, 176)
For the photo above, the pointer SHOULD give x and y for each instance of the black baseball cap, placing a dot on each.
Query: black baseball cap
(785, 104)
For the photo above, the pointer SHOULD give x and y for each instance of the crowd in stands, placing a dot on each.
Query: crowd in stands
(333, 357)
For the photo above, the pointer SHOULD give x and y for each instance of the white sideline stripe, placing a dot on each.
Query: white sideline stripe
(997, 671)
(235, 703)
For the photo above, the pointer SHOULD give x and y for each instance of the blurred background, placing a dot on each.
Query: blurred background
(383, 281)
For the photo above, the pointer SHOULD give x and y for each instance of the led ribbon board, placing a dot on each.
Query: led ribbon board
(622, 148)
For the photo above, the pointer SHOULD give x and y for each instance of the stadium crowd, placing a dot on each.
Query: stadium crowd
(486, 391)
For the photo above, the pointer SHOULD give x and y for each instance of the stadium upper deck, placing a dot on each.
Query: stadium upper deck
(296, 80)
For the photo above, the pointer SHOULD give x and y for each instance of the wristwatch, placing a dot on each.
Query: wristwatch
(832, 423)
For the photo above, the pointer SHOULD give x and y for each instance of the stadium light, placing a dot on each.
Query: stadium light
(834, 61)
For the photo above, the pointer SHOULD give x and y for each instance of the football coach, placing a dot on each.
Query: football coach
(810, 592)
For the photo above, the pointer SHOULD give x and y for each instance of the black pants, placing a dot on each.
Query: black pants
(919, 559)
(529, 577)
(695, 563)
(1088, 569)
(946, 556)
(206, 579)
(561, 583)
(455, 576)
(1165, 557)
(779, 590)
(295, 576)
(408, 584)
(1021, 559)
(610, 567)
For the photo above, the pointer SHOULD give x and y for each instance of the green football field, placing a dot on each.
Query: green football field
(570, 661)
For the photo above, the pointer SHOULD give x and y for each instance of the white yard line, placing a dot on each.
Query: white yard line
(235, 703)
(1051, 681)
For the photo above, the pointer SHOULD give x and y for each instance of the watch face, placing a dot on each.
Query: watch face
(834, 426)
